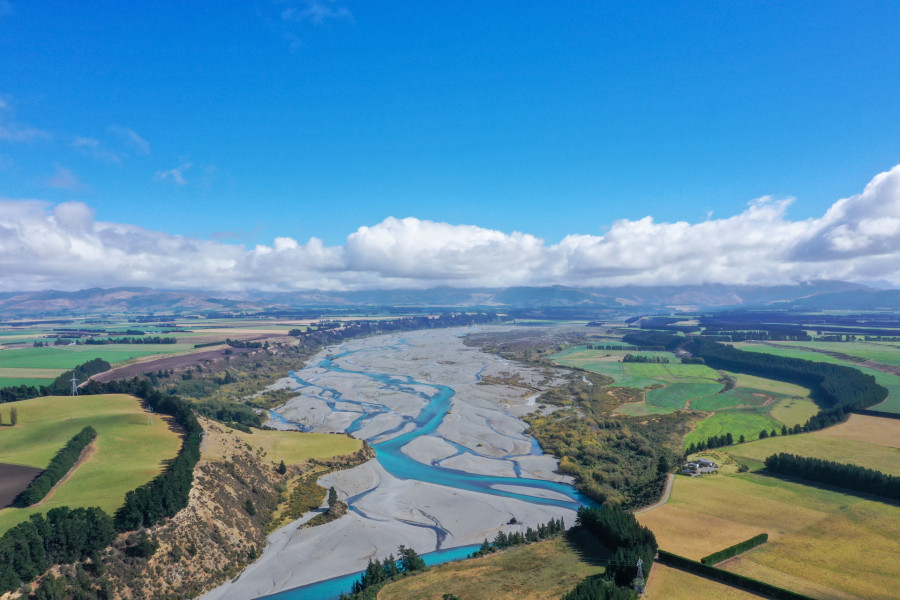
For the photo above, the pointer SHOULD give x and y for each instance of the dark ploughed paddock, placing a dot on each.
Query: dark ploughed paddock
(13, 480)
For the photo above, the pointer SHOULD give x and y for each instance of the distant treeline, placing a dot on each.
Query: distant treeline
(851, 477)
(639, 358)
(62, 536)
(59, 465)
(653, 340)
(779, 324)
(61, 386)
(246, 344)
(666, 323)
(129, 340)
(725, 335)
(609, 347)
(811, 321)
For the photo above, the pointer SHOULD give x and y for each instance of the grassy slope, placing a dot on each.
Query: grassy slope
(129, 452)
(831, 445)
(541, 570)
(294, 447)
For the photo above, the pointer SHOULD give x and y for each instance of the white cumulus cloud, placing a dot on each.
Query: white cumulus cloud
(857, 238)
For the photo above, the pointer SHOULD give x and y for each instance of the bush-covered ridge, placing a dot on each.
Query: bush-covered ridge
(59, 465)
(62, 536)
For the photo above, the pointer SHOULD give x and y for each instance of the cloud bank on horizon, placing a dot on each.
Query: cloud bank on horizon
(858, 238)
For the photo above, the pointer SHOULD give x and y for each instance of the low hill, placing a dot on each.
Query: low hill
(129, 450)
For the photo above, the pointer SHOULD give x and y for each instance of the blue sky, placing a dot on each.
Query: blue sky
(245, 122)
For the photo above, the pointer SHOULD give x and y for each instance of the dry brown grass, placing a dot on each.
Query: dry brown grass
(838, 447)
(666, 583)
(770, 505)
(871, 430)
(852, 554)
(822, 542)
(694, 535)
(538, 571)
(293, 447)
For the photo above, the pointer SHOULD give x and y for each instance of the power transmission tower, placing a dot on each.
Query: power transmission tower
(638, 582)
(74, 385)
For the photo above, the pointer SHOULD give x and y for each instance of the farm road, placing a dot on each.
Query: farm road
(665, 497)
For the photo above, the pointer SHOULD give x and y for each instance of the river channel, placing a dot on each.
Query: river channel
(452, 460)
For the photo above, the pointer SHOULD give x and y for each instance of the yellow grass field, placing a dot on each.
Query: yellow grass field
(839, 446)
(129, 451)
(822, 542)
(871, 430)
(666, 583)
(793, 411)
(693, 535)
(292, 447)
(769, 385)
(853, 553)
(538, 571)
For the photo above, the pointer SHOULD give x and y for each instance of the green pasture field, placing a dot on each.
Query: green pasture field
(822, 542)
(885, 353)
(699, 385)
(748, 422)
(734, 397)
(68, 357)
(128, 451)
(676, 395)
(793, 411)
(294, 447)
(872, 456)
(769, 385)
(547, 569)
(17, 381)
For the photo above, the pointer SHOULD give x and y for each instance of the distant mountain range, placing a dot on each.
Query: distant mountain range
(818, 295)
